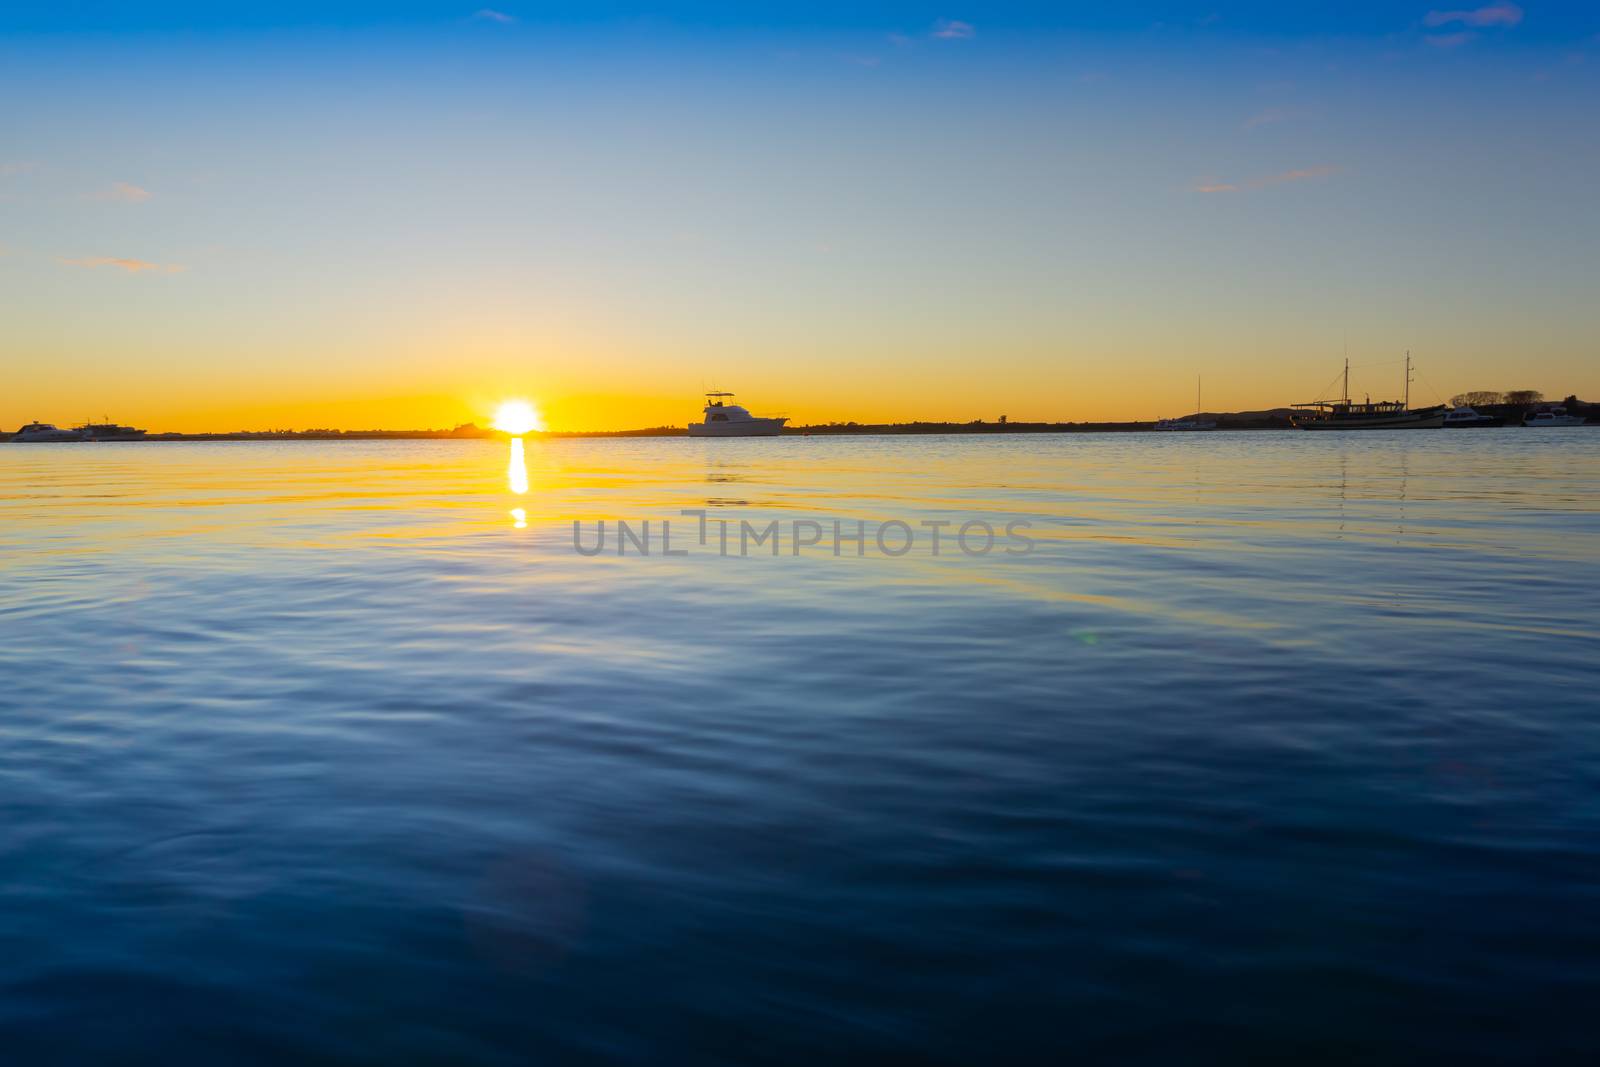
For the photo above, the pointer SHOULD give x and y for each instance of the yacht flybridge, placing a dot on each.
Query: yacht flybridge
(1343, 414)
(731, 420)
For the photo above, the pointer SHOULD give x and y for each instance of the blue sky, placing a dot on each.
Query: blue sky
(1540, 20)
(405, 211)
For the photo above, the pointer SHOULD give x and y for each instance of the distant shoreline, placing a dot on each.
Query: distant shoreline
(1274, 419)
(1252, 422)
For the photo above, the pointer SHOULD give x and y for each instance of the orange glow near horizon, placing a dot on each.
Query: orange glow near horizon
(439, 394)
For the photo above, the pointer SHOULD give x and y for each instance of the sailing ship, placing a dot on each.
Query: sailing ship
(1344, 414)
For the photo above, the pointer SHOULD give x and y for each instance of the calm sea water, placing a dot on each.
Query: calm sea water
(1273, 744)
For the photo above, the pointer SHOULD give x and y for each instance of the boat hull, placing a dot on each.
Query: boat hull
(1407, 420)
(1482, 422)
(742, 428)
(46, 438)
(1565, 420)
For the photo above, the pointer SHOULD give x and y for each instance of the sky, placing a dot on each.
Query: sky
(397, 215)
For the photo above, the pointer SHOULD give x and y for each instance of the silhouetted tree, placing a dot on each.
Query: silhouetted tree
(1524, 397)
(1475, 398)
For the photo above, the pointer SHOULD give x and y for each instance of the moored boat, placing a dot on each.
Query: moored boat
(42, 432)
(1345, 414)
(103, 431)
(1466, 418)
(1196, 423)
(1557, 416)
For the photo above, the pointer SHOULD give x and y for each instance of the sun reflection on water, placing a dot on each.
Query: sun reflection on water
(517, 469)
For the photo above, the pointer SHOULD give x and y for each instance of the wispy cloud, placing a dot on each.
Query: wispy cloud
(1490, 15)
(1217, 185)
(132, 266)
(899, 40)
(489, 14)
(856, 60)
(8, 170)
(1266, 118)
(1304, 174)
(1449, 40)
(952, 30)
(124, 193)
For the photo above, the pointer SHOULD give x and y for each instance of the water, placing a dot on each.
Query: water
(1273, 744)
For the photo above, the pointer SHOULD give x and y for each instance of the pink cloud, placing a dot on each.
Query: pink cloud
(1265, 118)
(124, 193)
(1304, 174)
(132, 266)
(1449, 40)
(486, 14)
(1216, 185)
(1491, 15)
(952, 30)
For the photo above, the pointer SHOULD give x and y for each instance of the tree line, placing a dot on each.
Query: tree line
(1484, 397)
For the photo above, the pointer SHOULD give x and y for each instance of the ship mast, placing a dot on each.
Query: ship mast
(1408, 380)
(1347, 381)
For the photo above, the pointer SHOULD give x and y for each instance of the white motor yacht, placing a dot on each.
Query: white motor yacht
(1468, 418)
(1553, 417)
(36, 432)
(731, 420)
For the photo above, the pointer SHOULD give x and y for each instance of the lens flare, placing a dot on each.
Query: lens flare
(517, 417)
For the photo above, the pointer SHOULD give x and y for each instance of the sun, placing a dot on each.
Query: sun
(517, 417)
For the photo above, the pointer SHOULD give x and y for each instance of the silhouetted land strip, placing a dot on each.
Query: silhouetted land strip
(1272, 419)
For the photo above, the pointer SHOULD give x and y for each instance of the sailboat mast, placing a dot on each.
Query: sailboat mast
(1408, 380)
(1347, 380)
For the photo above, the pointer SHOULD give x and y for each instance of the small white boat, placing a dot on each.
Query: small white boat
(1553, 417)
(36, 432)
(1466, 418)
(731, 420)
